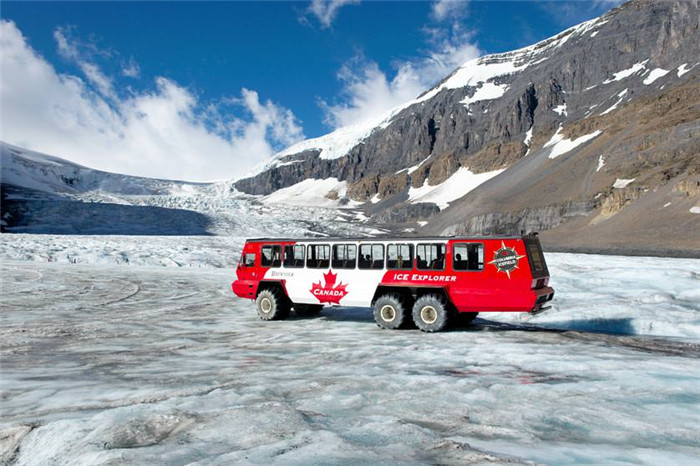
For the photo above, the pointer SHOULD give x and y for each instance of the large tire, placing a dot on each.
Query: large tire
(308, 310)
(390, 311)
(272, 304)
(431, 313)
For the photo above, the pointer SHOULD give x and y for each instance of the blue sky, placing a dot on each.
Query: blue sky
(206, 91)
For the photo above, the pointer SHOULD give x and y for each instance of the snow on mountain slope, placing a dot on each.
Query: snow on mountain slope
(313, 193)
(620, 88)
(45, 194)
(559, 145)
(456, 186)
(28, 169)
(478, 73)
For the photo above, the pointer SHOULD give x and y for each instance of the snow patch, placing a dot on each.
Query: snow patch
(487, 91)
(375, 199)
(361, 217)
(560, 110)
(560, 146)
(636, 68)
(422, 223)
(655, 74)
(601, 163)
(480, 71)
(683, 69)
(312, 193)
(415, 167)
(621, 183)
(621, 97)
(528, 140)
(695, 210)
(458, 185)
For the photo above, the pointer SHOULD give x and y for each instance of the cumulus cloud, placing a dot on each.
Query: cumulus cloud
(164, 132)
(444, 9)
(326, 10)
(369, 92)
(71, 50)
(131, 69)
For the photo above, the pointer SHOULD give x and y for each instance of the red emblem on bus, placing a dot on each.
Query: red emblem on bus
(330, 292)
(506, 259)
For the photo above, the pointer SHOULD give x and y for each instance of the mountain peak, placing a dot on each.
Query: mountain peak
(529, 124)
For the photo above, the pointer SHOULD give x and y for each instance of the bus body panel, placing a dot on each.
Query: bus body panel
(503, 280)
(349, 287)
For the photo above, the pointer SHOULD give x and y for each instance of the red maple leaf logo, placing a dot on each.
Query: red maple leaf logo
(330, 292)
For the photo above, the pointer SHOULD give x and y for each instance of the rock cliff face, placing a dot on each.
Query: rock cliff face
(573, 131)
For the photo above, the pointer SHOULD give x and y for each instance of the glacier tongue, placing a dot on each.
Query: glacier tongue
(159, 365)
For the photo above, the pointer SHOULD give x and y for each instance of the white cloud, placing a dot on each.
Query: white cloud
(67, 48)
(368, 91)
(326, 10)
(70, 49)
(103, 83)
(131, 69)
(164, 132)
(443, 9)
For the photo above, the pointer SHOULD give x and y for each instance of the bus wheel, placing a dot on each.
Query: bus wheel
(271, 305)
(389, 311)
(430, 313)
(307, 310)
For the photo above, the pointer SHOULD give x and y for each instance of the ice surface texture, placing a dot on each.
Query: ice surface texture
(155, 365)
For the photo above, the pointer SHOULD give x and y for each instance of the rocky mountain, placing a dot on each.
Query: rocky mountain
(590, 136)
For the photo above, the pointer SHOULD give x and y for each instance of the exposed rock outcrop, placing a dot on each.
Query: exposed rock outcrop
(613, 100)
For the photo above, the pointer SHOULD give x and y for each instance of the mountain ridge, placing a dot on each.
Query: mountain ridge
(559, 125)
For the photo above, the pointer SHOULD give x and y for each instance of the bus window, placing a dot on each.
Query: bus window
(344, 256)
(294, 256)
(318, 256)
(249, 260)
(399, 256)
(468, 256)
(430, 256)
(371, 256)
(271, 256)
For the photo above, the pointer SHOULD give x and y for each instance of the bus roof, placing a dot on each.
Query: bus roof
(381, 238)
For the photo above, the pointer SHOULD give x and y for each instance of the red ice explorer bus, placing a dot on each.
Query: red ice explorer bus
(427, 281)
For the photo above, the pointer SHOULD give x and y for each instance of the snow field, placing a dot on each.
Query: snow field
(458, 185)
(621, 183)
(312, 193)
(161, 365)
(655, 74)
(621, 295)
(636, 68)
(635, 295)
(559, 145)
